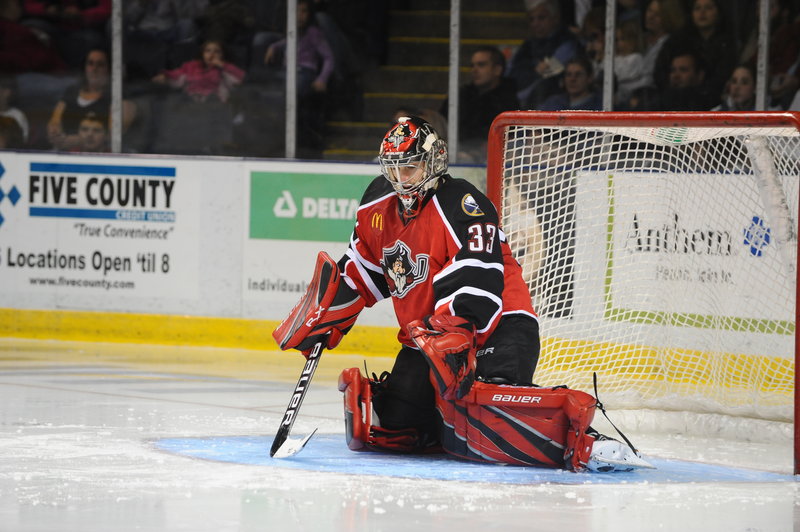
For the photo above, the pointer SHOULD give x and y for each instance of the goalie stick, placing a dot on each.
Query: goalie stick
(282, 447)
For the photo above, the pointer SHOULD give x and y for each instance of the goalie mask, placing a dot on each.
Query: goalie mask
(412, 158)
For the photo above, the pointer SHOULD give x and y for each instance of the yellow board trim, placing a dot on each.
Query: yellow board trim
(118, 327)
(560, 357)
(703, 372)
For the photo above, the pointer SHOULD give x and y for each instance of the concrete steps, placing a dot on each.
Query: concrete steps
(416, 71)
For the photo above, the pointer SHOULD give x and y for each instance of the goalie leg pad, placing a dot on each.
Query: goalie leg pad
(360, 433)
(448, 344)
(357, 408)
(521, 425)
(328, 307)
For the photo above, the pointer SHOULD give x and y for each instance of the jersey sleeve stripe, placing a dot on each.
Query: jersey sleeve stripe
(378, 200)
(366, 276)
(522, 312)
(446, 222)
(466, 263)
(355, 256)
(474, 293)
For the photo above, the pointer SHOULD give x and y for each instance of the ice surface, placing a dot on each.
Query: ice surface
(83, 447)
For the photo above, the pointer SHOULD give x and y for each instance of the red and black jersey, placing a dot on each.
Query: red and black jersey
(451, 258)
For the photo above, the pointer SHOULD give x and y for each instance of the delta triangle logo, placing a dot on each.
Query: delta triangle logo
(285, 206)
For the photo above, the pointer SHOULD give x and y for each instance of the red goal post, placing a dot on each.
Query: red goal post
(661, 253)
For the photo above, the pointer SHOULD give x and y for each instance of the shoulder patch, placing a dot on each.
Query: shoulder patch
(470, 206)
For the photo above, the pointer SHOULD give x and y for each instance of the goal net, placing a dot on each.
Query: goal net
(660, 250)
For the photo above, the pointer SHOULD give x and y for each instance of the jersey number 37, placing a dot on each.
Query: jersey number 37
(481, 237)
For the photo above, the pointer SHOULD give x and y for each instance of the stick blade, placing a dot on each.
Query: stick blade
(290, 447)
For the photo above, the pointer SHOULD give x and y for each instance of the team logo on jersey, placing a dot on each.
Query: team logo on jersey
(470, 206)
(402, 270)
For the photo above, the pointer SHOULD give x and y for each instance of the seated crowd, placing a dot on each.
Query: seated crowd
(208, 76)
(199, 76)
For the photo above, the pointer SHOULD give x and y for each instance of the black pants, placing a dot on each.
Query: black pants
(407, 398)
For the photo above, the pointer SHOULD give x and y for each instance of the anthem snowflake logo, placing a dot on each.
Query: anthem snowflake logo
(757, 236)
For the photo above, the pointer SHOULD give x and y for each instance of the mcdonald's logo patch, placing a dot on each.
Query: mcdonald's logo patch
(377, 221)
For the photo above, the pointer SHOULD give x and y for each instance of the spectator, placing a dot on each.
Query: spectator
(343, 28)
(10, 134)
(92, 134)
(629, 72)
(152, 27)
(315, 65)
(314, 55)
(22, 49)
(234, 24)
(708, 34)
(481, 100)
(784, 85)
(629, 10)
(270, 27)
(92, 94)
(578, 93)
(537, 63)
(8, 90)
(662, 18)
(740, 91)
(210, 77)
(687, 90)
(784, 31)
(593, 39)
(784, 51)
(76, 26)
(229, 21)
(199, 119)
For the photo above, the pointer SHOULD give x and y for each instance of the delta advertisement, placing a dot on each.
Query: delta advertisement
(81, 226)
(293, 215)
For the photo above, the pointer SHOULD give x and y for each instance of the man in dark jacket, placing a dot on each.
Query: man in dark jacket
(538, 62)
(480, 101)
(687, 90)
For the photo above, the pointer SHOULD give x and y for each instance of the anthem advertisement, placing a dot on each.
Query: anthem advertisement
(683, 257)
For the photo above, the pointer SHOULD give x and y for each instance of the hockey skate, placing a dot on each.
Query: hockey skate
(611, 455)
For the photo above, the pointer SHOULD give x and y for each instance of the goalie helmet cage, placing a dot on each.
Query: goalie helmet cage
(661, 253)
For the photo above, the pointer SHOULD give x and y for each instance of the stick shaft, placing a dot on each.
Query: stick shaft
(297, 397)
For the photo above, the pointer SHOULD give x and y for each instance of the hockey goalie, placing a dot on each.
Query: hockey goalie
(462, 380)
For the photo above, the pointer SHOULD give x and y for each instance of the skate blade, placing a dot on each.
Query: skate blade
(292, 447)
(602, 464)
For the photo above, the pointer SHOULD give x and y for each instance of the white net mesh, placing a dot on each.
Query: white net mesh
(659, 259)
